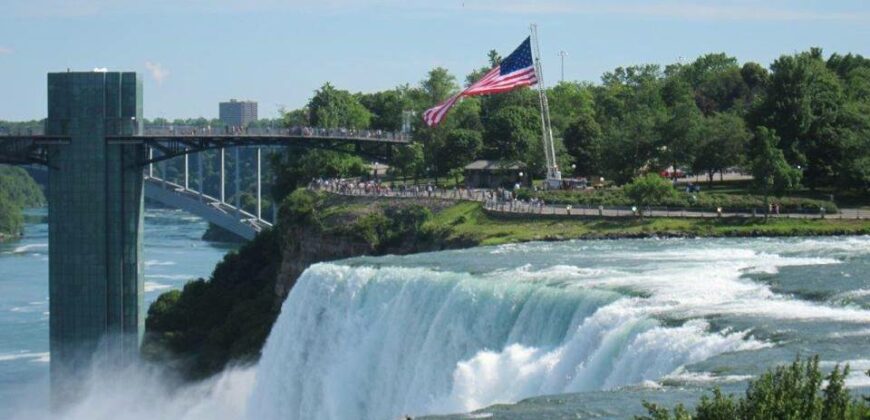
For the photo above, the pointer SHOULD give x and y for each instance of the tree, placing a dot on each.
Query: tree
(630, 110)
(723, 139)
(334, 108)
(771, 174)
(803, 104)
(648, 189)
(717, 82)
(387, 107)
(679, 133)
(583, 142)
(511, 133)
(408, 161)
(438, 85)
(297, 167)
(567, 102)
(296, 118)
(462, 146)
(756, 78)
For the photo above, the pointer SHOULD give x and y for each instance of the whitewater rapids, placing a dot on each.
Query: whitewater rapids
(360, 341)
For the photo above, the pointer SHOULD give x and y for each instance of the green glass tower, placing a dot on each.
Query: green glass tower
(95, 197)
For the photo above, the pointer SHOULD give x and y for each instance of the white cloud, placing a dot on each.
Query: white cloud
(5, 50)
(157, 72)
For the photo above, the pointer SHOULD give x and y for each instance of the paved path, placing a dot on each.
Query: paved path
(518, 207)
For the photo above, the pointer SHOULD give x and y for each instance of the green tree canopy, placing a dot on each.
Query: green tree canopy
(772, 174)
(462, 147)
(723, 141)
(582, 140)
(511, 134)
(438, 85)
(679, 132)
(335, 108)
(387, 107)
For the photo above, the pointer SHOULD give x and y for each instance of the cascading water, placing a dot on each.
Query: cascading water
(381, 338)
(364, 342)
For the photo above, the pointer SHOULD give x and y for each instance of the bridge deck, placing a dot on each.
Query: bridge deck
(252, 139)
(375, 144)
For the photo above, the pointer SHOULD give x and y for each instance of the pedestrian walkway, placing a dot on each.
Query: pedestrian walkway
(501, 201)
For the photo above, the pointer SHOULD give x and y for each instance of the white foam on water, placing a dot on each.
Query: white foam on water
(24, 355)
(152, 263)
(27, 248)
(851, 294)
(683, 376)
(855, 333)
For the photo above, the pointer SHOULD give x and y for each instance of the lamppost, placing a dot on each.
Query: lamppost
(562, 55)
(521, 178)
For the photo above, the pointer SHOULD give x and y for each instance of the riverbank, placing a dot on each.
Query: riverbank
(228, 317)
(17, 191)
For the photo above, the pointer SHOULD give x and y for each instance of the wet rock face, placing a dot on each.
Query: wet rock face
(310, 243)
(304, 246)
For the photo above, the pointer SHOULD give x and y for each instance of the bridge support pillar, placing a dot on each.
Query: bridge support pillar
(186, 171)
(95, 208)
(259, 186)
(238, 190)
(199, 174)
(223, 178)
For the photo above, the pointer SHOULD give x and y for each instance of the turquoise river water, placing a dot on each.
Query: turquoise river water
(174, 254)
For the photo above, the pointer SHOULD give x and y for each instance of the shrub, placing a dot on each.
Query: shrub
(648, 189)
(703, 200)
(792, 392)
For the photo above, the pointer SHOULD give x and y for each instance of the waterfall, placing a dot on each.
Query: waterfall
(378, 343)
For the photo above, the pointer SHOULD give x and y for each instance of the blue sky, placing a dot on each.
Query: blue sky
(195, 53)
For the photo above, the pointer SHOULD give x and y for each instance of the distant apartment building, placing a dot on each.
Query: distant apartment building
(238, 113)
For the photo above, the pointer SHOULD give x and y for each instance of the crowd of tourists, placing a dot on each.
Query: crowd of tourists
(497, 198)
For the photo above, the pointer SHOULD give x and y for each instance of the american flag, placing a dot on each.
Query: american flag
(517, 70)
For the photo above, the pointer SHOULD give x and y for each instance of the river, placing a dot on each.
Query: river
(527, 331)
(174, 254)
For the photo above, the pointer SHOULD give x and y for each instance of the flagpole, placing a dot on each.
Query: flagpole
(554, 177)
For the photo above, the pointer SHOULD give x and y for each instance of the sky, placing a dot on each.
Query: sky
(193, 54)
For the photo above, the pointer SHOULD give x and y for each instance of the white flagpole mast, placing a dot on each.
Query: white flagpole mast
(554, 177)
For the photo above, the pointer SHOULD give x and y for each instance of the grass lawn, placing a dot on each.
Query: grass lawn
(467, 221)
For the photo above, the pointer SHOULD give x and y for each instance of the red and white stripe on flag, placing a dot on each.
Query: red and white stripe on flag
(491, 82)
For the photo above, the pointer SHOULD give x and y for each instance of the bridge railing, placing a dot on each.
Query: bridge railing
(275, 131)
(313, 132)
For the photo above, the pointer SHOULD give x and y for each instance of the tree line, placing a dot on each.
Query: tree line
(804, 120)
